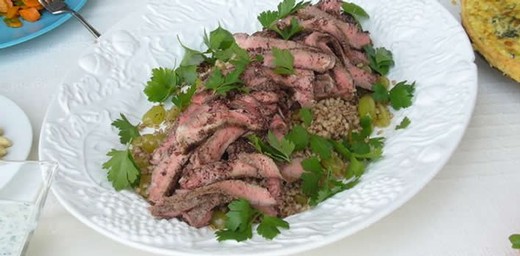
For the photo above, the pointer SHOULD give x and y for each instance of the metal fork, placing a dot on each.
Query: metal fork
(59, 7)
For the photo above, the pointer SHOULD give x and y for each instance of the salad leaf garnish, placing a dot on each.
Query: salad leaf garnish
(306, 116)
(278, 150)
(381, 59)
(355, 10)
(283, 62)
(127, 131)
(161, 85)
(515, 241)
(239, 223)
(404, 123)
(268, 19)
(122, 170)
(401, 95)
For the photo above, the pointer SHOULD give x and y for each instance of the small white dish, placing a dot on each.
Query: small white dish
(17, 128)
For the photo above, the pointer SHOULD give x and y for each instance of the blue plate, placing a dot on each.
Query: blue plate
(29, 30)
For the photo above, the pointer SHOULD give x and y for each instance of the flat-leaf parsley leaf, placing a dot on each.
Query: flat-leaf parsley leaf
(127, 131)
(122, 171)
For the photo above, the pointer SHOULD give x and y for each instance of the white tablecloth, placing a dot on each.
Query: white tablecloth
(469, 208)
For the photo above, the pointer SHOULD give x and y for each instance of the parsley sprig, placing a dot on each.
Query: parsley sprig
(269, 19)
(122, 170)
(278, 150)
(319, 179)
(283, 62)
(355, 10)
(381, 59)
(515, 241)
(400, 96)
(240, 219)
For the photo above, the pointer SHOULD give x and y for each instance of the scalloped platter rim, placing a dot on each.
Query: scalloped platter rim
(429, 46)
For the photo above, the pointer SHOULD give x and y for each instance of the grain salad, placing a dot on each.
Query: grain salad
(258, 127)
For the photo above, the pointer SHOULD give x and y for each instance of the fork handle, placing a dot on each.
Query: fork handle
(85, 23)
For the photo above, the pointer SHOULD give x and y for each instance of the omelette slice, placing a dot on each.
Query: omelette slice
(494, 29)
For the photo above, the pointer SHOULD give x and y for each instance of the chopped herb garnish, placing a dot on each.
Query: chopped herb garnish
(268, 19)
(380, 93)
(401, 95)
(355, 10)
(279, 150)
(288, 31)
(127, 131)
(161, 85)
(381, 59)
(183, 99)
(515, 241)
(283, 62)
(239, 223)
(306, 116)
(321, 146)
(122, 171)
(299, 137)
(404, 123)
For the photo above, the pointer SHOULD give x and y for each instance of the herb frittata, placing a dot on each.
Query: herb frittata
(494, 28)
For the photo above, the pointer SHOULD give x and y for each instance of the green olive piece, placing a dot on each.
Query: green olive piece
(154, 117)
(218, 220)
(148, 142)
(367, 106)
(383, 116)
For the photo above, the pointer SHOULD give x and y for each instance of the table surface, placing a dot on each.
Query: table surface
(470, 208)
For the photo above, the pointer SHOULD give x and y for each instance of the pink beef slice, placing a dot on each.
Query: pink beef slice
(165, 149)
(209, 117)
(248, 42)
(305, 59)
(331, 45)
(166, 174)
(331, 6)
(292, 171)
(179, 203)
(356, 38)
(246, 165)
(301, 82)
(278, 127)
(200, 216)
(215, 146)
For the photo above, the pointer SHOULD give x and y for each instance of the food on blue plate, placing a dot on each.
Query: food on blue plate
(4, 144)
(494, 29)
(14, 11)
(262, 126)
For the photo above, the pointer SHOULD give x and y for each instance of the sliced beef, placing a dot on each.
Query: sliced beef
(200, 215)
(356, 38)
(333, 7)
(215, 146)
(362, 78)
(305, 59)
(331, 45)
(292, 171)
(166, 174)
(344, 81)
(278, 126)
(211, 116)
(246, 165)
(165, 149)
(242, 145)
(178, 203)
(248, 42)
(300, 82)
